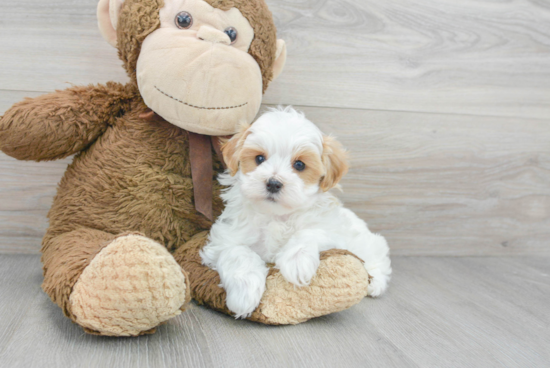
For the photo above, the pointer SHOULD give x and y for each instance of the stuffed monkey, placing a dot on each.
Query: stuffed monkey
(133, 208)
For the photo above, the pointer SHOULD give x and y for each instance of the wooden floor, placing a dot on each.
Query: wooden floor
(445, 108)
(439, 312)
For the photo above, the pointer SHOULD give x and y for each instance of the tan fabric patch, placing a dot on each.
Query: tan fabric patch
(340, 283)
(207, 86)
(130, 34)
(65, 257)
(131, 286)
(264, 46)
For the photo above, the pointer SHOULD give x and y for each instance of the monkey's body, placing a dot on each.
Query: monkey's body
(117, 185)
(127, 200)
(114, 186)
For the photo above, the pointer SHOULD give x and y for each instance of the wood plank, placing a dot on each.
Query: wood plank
(21, 278)
(469, 57)
(432, 184)
(438, 312)
(447, 184)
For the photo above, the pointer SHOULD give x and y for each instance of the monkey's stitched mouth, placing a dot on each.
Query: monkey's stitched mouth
(201, 107)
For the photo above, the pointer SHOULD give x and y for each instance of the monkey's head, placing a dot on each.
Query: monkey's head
(202, 65)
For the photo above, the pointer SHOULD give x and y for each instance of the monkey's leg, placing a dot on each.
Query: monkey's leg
(341, 282)
(123, 285)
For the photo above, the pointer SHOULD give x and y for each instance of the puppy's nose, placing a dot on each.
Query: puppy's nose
(274, 186)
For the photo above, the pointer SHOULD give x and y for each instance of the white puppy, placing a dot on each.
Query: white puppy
(278, 210)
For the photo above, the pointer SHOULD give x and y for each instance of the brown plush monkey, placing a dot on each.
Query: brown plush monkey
(121, 253)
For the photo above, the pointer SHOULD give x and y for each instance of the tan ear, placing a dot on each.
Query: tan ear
(335, 159)
(231, 149)
(107, 19)
(280, 58)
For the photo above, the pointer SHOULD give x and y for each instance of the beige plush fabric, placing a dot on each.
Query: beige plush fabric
(341, 282)
(219, 85)
(130, 287)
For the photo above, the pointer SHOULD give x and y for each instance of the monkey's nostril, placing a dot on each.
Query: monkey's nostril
(274, 186)
(211, 34)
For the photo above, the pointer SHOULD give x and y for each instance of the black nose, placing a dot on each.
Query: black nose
(274, 186)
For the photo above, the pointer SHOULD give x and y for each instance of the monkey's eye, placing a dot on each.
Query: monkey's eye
(232, 33)
(260, 159)
(184, 20)
(299, 165)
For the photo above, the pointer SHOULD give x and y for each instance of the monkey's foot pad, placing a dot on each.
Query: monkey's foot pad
(129, 288)
(341, 282)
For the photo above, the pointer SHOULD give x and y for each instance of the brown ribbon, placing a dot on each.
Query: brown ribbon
(200, 155)
(217, 143)
(202, 173)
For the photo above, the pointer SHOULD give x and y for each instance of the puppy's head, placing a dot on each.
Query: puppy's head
(283, 160)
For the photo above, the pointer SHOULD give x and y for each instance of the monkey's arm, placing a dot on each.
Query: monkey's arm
(61, 123)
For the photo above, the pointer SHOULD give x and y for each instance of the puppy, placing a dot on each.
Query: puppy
(278, 210)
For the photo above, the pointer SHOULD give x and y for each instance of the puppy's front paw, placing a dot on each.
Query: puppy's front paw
(298, 265)
(244, 292)
(378, 282)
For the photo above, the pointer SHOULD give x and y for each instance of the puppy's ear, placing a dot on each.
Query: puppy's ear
(231, 149)
(335, 160)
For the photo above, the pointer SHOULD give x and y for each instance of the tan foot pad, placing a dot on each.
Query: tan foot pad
(341, 282)
(129, 288)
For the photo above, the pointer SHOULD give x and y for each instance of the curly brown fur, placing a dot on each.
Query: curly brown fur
(137, 19)
(114, 184)
(205, 282)
(62, 123)
(117, 185)
(65, 257)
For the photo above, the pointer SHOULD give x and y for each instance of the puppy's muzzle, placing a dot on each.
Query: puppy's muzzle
(274, 186)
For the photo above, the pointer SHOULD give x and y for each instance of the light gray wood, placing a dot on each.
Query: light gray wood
(447, 184)
(466, 57)
(20, 284)
(475, 57)
(432, 184)
(439, 312)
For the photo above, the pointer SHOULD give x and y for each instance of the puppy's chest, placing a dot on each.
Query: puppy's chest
(272, 236)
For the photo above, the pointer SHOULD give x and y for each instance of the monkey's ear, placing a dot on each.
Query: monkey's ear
(335, 159)
(280, 58)
(107, 19)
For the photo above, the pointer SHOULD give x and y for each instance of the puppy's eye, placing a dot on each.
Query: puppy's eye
(299, 165)
(184, 20)
(260, 159)
(232, 33)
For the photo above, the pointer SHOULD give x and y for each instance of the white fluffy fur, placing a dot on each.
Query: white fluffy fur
(289, 229)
